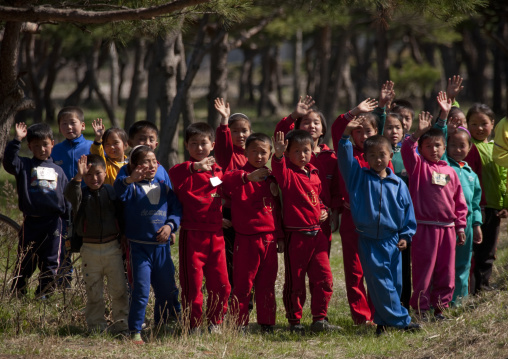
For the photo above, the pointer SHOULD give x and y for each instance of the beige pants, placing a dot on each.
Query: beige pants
(99, 261)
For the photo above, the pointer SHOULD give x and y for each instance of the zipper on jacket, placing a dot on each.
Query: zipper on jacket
(380, 200)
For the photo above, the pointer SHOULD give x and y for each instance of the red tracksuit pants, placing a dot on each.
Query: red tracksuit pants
(433, 257)
(359, 303)
(203, 253)
(303, 255)
(255, 264)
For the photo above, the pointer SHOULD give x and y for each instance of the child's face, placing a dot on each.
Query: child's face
(95, 177)
(407, 119)
(149, 162)
(240, 130)
(258, 153)
(361, 134)
(461, 117)
(41, 149)
(70, 126)
(115, 147)
(379, 157)
(312, 124)
(299, 154)
(144, 137)
(480, 126)
(199, 147)
(432, 149)
(393, 130)
(458, 146)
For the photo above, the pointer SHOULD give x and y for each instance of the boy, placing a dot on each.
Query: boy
(196, 183)
(96, 211)
(40, 185)
(384, 218)
(305, 246)
(255, 206)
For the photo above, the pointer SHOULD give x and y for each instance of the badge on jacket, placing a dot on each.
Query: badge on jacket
(441, 179)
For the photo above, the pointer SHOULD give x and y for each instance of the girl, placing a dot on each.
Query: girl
(152, 216)
(111, 146)
(480, 121)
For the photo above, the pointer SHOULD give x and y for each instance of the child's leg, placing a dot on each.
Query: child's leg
(141, 268)
(217, 283)
(93, 275)
(229, 240)
(443, 283)
(193, 248)
(327, 231)
(163, 284)
(265, 281)
(485, 253)
(356, 294)
(406, 289)
(320, 275)
(26, 262)
(48, 252)
(117, 287)
(382, 266)
(463, 263)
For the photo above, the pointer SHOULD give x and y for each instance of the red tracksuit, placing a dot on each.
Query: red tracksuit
(255, 207)
(326, 163)
(306, 247)
(201, 243)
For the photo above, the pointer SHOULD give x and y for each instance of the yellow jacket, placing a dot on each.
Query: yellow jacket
(112, 166)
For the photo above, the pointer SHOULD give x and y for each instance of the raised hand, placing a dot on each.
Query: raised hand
(258, 175)
(453, 124)
(303, 106)
(424, 123)
(98, 129)
(139, 173)
(355, 123)
(20, 131)
(279, 144)
(82, 168)
(454, 87)
(365, 106)
(224, 110)
(205, 164)
(445, 103)
(387, 94)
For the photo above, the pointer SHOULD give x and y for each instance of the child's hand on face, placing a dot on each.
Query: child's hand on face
(280, 145)
(302, 107)
(223, 109)
(20, 131)
(280, 245)
(387, 94)
(365, 106)
(324, 216)
(258, 175)
(445, 103)
(477, 235)
(402, 244)
(454, 87)
(205, 164)
(163, 233)
(82, 168)
(98, 129)
(226, 223)
(355, 123)
(461, 238)
(453, 124)
(424, 123)
(139, 173)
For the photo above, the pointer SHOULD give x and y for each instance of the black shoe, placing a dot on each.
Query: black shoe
(251, 305)
(413, 327)
(323, 326)
(381, 329)
(266, 329)
(297, 328)
(439, 317)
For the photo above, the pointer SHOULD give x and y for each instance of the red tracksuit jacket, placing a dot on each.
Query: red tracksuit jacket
(255, 206)
(201, 202)
(227, 155)
(300, 191)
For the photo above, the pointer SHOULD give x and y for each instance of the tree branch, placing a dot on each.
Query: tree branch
(246, 35)
(45, 13)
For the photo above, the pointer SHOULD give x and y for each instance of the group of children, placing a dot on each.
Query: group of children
(392, 190)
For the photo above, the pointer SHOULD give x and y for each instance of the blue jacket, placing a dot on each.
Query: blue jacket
(143, 218)
(39, 194)
(380, 207)
(67, 153)
(160, 176)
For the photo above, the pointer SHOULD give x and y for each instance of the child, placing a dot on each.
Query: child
(384, 217)
(440, 210)
(480, 121)
(96, 214)
(196, 183)
(152, 216)
(40, 185)
(308, 118)
(406, 111)
(255, 207)
(110, 145)
(305, 247)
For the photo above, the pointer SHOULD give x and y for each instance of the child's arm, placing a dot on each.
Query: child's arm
(301, 109)
(445, 104)
(408, 149)
(454, 87)
(386, 96)
(73, 189)
(278, 162)
(408, 228)
(461, 211)
(348, 165)
(168, 230)
(11, 161)
(477, 212)
(500, 151)
(223, 140)
(98, 129)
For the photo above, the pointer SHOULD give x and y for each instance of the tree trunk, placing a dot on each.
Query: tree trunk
(363, 63)
(138, 78)
(429, 100)
(218, 75)
(35, 86)
(310, 69)
(188, 107)
(53, 69)
(297, 66)
(325, 54)
(382, 60)
(246, 87)
(154, 81)
(114, 77)
(474, 48)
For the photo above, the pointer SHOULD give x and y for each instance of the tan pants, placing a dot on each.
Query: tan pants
(101, 260)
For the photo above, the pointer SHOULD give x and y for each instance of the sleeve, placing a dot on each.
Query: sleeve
(408, 229)
(123, 189)
(335, 189)
(97, 149)
(461, 209)
(409, 156)
(477, 197)
(285, 125)
(348, 165)
(500, 151)
(177, 173)
(223, 146)
(474, 161)
(165, 176)
(277, 216)
(232, 180)
(338, 127)
(73, 194)
(441, 124)
(11, 161)
(279, 170)
(174, 211)
(122, 173)
(380, 112)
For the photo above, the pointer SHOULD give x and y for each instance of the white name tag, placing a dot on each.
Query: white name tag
(215, 181)
(440, 179)
(45, 173)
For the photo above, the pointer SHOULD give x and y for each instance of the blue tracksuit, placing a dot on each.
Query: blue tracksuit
(383, 214)
(149, 205)
(160, 175)
(67, 153)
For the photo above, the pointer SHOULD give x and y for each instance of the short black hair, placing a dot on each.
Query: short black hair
(432, 133)
(453, 112)
(238, 117)
(323, 122)
(397, 116)
(71, 110)
(299, 137)
(141, 125)
(120, 132)
(401, 104)
(199, 128)
(258, 136)
(138, 153)
(480, 108)
(372, 119)
(39, 131)
(376, 140)
(95, 161)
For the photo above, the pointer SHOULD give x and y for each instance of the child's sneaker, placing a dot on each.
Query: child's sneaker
(323, 326)
(266, 329)
(412, 327)
(380, 330)
(136, 339)
(297, 328)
